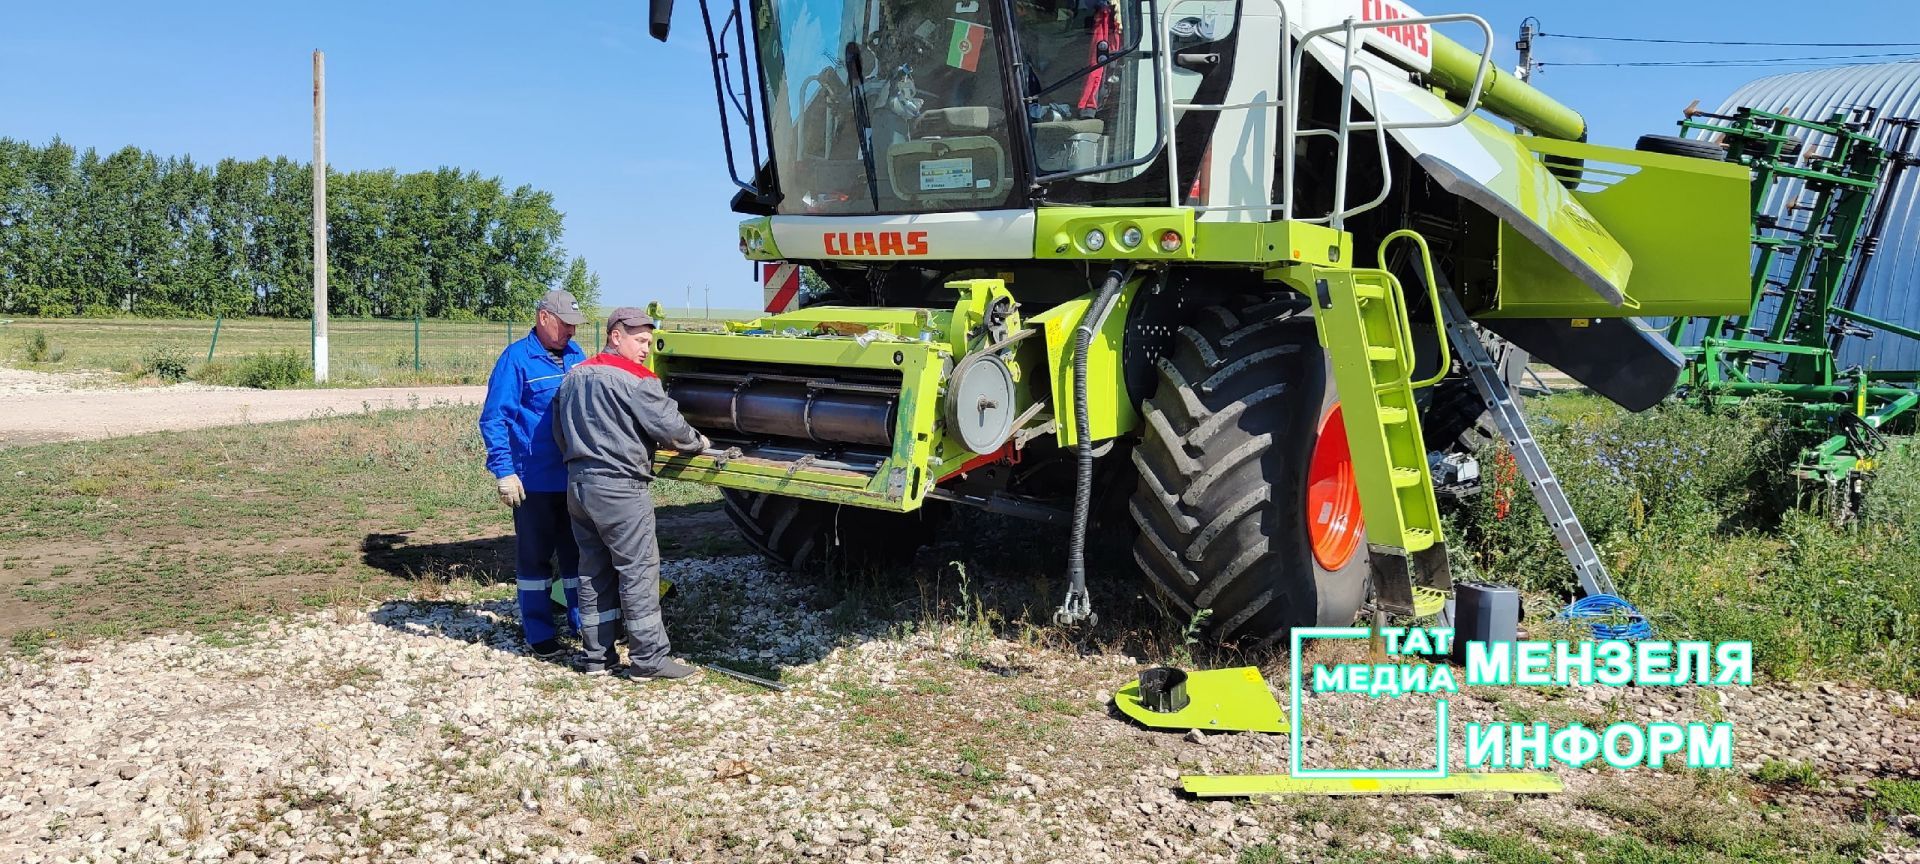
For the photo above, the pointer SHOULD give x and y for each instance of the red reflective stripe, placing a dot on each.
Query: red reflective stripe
(619, 362)
(784, 280)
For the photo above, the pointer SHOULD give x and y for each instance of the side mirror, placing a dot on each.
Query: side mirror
(660, 17)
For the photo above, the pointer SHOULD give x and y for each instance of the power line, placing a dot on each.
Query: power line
(1906, 57)
(1720, 42)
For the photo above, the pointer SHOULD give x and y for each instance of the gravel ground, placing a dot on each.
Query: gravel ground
(418, 731)
(79, 406)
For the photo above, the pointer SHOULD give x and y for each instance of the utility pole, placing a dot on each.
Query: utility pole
(706, 293)
(1529, 28)
(689, 298)
(319, 218)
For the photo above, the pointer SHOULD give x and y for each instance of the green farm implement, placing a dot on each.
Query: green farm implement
(1820, 196)
(1169, 272)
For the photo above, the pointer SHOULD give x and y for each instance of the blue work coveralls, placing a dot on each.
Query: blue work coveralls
(517, 425)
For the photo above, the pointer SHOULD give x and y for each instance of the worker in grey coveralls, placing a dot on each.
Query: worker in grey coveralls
(609, 417)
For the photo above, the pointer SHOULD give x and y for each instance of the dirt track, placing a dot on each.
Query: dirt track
(37, 407)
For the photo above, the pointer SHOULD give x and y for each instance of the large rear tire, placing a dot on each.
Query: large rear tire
(1245, 499)
(805, 536)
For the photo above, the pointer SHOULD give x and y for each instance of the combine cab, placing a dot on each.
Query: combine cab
(1188, 255)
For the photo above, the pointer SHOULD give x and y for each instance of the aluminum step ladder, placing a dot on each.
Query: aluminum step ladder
(1526, 451)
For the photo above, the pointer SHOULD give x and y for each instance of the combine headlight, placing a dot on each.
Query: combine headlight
(1096, 240)
(1170, 241)
(1131, 237)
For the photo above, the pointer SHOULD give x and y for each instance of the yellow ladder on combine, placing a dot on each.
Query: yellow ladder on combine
(1361, 317)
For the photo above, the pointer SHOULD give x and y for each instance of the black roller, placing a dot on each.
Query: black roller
(783, 409)
(1163, 689)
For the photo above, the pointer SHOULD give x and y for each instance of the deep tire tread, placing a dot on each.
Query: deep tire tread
(1221, 491)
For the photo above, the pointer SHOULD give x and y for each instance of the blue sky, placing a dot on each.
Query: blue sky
(573, 97)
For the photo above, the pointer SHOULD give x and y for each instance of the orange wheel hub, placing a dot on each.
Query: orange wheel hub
(1333, 500)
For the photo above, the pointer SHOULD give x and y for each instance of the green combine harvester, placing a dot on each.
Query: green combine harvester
(1821, 194)
(1175, 274)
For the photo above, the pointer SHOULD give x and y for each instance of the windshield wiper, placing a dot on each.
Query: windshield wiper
(857, 77)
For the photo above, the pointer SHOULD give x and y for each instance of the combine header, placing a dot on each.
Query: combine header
(1175, 272)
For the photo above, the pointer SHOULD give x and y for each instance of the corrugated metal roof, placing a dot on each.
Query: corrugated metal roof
(1892, 288)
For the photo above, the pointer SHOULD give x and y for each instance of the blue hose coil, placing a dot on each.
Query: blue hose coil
(1593, 608)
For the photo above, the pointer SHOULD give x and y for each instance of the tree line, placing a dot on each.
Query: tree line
(135, 233)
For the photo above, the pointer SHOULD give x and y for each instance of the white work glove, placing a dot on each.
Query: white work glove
(705, 444)
(512, 493)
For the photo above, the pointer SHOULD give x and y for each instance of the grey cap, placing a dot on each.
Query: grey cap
(628, 316)
(563, 306)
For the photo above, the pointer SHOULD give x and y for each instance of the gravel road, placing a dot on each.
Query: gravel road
(44, 406)
(418, 731)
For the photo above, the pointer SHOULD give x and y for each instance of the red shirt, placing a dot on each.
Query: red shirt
(608, 358)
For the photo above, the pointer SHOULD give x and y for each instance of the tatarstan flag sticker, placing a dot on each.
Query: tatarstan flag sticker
(964, 50)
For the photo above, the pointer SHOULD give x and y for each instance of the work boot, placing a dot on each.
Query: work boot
(547, 650)
(596, 670)
(669, 669)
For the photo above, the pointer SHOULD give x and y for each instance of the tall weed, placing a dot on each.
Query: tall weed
(1692, 511)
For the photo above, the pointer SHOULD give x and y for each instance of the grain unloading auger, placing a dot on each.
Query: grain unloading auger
(1141, 268)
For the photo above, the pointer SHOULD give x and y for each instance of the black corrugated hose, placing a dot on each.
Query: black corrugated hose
(1079, 605)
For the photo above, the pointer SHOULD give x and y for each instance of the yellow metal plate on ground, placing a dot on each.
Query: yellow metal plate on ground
(1219, 700)
(1240, 786)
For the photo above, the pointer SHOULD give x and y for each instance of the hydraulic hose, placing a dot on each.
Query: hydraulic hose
(1079, 605)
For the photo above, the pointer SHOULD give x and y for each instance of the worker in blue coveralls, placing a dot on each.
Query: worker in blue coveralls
(517, 425)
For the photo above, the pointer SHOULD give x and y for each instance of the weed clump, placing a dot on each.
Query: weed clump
(167, 362)
(273, 370)
(40, 350)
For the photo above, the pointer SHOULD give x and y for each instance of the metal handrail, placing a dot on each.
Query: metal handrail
(1433, 296)
(1351, 28)
(1168, 106)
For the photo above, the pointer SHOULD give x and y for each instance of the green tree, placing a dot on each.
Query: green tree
(582, 283)
(132, 232)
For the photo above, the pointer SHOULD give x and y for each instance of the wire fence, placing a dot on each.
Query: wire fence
(360, 351)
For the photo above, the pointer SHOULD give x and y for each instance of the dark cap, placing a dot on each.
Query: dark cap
(563, 306)
(628, 317)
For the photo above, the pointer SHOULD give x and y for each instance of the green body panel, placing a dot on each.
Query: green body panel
(901, 483)
(1540, 212)
(756, 240)
(1060, 232)
(1270, 243)
(1110, 410)
(920, 345)
(1502, 94)
(1682, 222)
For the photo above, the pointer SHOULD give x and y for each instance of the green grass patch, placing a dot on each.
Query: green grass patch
(1896, 796)
(215, 528)
(1263, 853)
(1694, 513)
(1500, 848)
(1776, 773)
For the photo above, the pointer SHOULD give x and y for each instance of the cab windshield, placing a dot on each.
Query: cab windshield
(885, 107)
